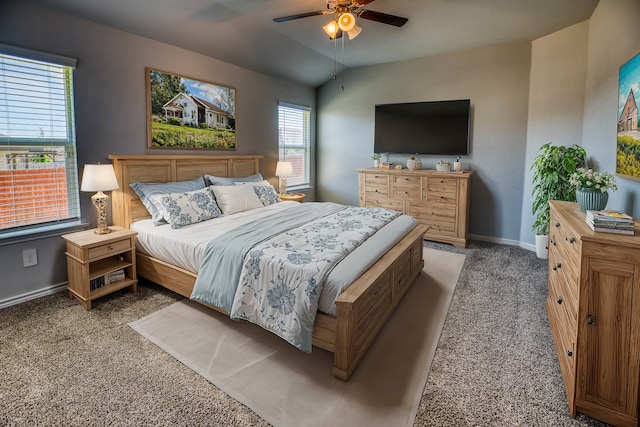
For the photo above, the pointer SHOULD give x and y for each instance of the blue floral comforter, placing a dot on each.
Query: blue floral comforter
(280, 266)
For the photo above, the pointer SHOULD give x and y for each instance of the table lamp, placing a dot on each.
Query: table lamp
(99, 178)
(283, 170)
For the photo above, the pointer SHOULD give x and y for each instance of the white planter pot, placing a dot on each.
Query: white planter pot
(376, 163)
(457, 166)
(542, 246)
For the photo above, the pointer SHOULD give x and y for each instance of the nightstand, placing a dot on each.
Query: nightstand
(98, 264)
(293, 197)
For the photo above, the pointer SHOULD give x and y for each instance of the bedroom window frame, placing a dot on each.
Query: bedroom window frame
(294, 142)
(38, 155)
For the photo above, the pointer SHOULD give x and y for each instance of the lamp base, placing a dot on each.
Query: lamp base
(283, 185)
(100, 201)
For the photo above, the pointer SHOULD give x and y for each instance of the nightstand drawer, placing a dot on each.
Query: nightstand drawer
(108, 249)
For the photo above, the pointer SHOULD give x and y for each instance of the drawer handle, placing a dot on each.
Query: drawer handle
(591, 320)
(110, 247)
(559, 300)
(569, 352)
(557, 224)
(558, 265)
(572, 240)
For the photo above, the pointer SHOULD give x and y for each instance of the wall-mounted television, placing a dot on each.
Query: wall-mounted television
(435, 127)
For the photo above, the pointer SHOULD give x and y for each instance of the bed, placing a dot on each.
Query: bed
(360, 311)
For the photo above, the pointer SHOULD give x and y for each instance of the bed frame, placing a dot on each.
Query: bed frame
(362, 309)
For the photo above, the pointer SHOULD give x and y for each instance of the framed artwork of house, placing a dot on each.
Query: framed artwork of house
(628, 141)
(187, 113)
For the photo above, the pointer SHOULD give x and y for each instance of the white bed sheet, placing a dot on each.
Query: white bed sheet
(185, 247)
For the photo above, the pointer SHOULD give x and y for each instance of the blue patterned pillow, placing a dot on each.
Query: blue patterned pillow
(190, 207)
(219, 180)
(145, 190)
(264, 190)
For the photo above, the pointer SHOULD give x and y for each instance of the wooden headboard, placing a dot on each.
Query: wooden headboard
(126, 206)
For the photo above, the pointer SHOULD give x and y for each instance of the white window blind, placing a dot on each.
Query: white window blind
(295, 141)
(38, 170)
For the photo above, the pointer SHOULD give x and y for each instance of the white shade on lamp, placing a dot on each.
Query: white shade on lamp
(283, 170)
(99, 178)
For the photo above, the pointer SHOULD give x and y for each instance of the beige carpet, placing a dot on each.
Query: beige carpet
(287, 387)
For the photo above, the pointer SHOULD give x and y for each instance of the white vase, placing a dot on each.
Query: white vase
(376, 163)
(542, 246)
(457, 166)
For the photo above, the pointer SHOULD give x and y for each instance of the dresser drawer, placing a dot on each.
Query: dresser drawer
(441, 190)
(406, 187)
(108, 249)
(565, 342)
(562, 293)
(376, 179)
(433, 212)
(440, 228)
(381, 202)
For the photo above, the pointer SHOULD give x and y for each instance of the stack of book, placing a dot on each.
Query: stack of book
(609, 221)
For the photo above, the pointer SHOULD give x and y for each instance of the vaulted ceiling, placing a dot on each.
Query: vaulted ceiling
(243, 32)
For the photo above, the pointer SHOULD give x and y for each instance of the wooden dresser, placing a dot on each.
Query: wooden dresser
(439, 200)
(594, 313)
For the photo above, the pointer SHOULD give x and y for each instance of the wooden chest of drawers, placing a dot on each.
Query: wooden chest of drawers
(593, 305)
(439, 200)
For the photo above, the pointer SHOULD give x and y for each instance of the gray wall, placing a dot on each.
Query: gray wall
(556, 101)
(497, 82)
(111, 112)
(614, 38)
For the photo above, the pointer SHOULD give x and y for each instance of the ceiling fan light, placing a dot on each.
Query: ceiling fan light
(331, 29)
(347, 21)
(354, 33)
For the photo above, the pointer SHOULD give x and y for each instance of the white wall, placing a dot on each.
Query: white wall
(496, 80)
(111, 111)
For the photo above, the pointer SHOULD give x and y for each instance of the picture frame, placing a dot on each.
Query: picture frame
(628, 133)
(185, 113)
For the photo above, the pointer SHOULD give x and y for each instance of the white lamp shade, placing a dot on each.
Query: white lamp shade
(284, 169)
(98, 178)
(346, 22)
(354, 32)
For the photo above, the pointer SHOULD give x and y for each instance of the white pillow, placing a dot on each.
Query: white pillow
(264, 190)
(190, 207)
(236, 198)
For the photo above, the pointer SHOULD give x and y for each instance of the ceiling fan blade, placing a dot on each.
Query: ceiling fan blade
(298, 16)
(385, 18)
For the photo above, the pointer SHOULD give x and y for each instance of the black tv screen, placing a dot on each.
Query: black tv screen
(437, 127)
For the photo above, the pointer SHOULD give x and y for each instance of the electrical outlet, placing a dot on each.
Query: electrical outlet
(29, 257)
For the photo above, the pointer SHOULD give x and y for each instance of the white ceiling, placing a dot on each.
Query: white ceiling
(243, 32)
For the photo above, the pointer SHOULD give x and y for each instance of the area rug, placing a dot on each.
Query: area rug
(287, 387)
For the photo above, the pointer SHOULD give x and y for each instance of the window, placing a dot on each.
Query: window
(38, 171)
(294, 141)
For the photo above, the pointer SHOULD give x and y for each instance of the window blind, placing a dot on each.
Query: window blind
(38, 169)
(295, 141)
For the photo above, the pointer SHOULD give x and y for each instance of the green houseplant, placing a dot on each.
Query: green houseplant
(552, 169)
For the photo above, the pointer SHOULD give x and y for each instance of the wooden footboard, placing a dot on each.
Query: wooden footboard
(362, 309)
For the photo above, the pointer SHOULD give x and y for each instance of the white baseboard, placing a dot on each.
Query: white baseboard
(33, 295)
(522, 245)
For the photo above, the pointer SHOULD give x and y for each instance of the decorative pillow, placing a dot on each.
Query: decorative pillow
(190, 207)
(144, 190)
(219, 180)
(264, 190)
(236, 198)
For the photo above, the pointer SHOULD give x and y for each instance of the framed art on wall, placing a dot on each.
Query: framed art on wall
(188, 113)
(628, 140)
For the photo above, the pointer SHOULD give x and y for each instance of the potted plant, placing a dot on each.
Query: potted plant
(552, 169)
(591, 188)
(376, 159)
(443, 166)
(457, 165)
(414, 162)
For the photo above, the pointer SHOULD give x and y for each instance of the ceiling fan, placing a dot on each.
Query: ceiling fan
(345, 12)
